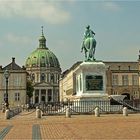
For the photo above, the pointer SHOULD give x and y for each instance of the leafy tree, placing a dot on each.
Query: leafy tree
(30, 89)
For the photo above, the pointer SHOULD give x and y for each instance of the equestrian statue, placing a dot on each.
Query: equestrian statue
(89, 44)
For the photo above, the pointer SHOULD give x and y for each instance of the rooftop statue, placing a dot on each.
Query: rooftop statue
(89, 44)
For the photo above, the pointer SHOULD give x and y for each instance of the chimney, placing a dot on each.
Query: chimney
(13, 59)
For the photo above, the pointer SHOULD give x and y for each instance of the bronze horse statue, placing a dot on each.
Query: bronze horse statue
(89, 46)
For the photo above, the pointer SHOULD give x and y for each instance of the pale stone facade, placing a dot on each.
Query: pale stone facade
(47, 89)
(16, 84)
(122, 79)
(67, 83)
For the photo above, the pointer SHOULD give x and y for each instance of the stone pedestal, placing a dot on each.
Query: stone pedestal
(91, 81)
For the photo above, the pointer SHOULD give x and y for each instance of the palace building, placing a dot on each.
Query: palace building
(16, 84)
(122, 78)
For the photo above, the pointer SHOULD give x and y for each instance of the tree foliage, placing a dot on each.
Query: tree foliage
(30, 89)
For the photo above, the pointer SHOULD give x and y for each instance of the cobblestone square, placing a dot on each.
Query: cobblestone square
(83, 127)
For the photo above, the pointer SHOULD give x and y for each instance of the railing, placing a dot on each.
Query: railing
(87, 107)
(15, 111)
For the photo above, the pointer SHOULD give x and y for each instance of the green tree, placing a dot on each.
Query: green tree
(30, 89)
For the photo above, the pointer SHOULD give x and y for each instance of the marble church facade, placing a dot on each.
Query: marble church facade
(44, 71)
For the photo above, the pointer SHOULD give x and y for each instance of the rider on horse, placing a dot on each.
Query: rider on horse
(88, 33)
(89, 44)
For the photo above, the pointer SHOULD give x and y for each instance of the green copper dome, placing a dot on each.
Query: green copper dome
(42, 56)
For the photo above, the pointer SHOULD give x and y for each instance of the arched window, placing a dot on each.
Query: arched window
(43, 77)
(52, 77)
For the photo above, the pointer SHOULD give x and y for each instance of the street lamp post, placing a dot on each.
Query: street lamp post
(6, 75)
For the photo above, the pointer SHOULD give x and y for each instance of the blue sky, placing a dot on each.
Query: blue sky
(116, 24)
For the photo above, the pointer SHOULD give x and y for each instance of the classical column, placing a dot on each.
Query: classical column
(34, 97)
(39, 95)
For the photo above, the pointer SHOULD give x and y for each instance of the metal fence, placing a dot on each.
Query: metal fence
(87, 107)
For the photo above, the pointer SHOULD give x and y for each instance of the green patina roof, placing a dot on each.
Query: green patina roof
(42, 56)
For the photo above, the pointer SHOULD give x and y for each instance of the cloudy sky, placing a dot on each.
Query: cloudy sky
(116, 24)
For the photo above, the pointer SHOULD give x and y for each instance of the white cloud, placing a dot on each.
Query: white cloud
(14, 39)
(51, 12)
(111, 6)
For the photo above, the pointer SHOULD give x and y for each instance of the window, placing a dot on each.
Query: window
(134, 79)
(115, 80)
(115, 93)
(17, 80)
(17, 96)
(43, 77)
(125, 80)
(136, 95)
(52, 77)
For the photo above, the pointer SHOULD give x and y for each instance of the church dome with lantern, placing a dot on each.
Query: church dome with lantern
(42, 56)
(44, 71)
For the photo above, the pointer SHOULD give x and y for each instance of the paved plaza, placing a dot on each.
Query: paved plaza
(78, 127)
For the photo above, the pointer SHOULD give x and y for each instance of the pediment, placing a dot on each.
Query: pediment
(44, 84)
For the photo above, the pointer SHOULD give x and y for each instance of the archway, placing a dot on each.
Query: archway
(127, 96)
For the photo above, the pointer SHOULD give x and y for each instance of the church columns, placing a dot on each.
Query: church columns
(33, 97)
(46, 95)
